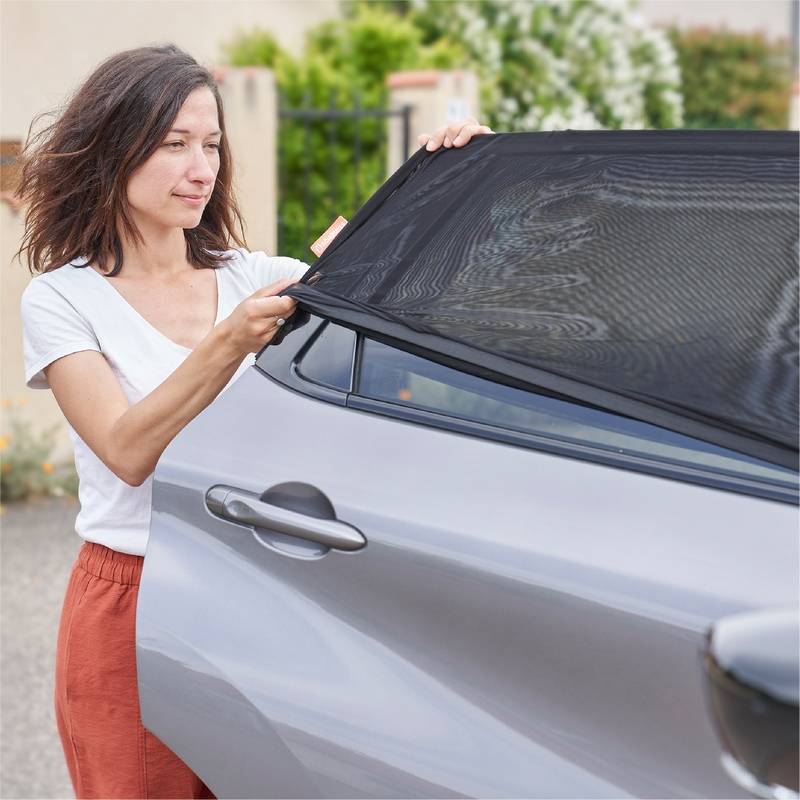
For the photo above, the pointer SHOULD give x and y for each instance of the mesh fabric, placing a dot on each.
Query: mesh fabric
(652, 274)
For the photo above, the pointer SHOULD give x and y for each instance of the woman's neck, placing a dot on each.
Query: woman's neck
(160, 255)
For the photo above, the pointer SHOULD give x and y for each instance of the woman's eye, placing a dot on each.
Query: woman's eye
(180, 144)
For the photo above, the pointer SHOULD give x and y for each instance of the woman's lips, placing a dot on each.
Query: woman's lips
(191, 201)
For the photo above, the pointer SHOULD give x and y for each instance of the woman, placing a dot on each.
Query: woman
(142, 315)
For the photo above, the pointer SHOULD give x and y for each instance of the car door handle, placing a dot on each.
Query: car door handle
(245, 508)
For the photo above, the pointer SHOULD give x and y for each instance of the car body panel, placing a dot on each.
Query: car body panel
(518, 624)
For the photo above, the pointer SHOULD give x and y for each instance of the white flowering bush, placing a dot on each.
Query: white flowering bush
(555, 64)
(543, 65)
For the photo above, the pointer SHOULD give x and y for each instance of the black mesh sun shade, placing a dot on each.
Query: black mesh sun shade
(653, 274)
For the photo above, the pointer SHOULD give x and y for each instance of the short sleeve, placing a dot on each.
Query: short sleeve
(51, 328)
(268, 269)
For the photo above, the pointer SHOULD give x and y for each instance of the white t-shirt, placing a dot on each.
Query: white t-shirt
(75, 308)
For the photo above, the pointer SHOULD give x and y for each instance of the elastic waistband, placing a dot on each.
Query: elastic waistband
(111, 565)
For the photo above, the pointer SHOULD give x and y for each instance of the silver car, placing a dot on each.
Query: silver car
(370, 575)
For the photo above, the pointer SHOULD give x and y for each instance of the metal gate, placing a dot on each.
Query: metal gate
(328, 164)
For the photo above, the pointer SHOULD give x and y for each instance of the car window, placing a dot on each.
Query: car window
(395, 376)
(328, 360)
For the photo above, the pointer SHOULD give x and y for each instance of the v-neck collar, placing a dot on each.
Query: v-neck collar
(150, 324)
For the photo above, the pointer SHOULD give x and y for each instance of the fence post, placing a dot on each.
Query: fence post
(436, 97)
(250, 100)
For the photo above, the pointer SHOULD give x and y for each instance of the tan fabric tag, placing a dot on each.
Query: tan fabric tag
(319, 247)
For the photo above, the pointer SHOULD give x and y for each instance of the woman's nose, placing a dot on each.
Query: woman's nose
(201, 168)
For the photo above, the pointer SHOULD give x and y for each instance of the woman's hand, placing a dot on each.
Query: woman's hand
(254, 322)
(455, 135)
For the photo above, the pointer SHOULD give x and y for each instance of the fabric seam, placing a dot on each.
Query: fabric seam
(57, 352)
(73, 612)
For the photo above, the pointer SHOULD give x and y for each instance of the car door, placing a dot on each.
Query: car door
(368, 578)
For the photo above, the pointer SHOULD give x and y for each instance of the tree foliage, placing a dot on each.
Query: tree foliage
(542, 65)
(332, 165)
(548, 65)
(733, 80)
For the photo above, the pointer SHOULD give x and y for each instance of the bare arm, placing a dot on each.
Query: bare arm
(129, 439)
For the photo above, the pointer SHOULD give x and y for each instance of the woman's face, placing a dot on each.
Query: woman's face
(182, 167)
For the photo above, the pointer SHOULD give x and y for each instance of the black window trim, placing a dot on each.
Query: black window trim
(314, 336)
(281, 366)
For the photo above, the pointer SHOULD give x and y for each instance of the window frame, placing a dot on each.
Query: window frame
(282, 366)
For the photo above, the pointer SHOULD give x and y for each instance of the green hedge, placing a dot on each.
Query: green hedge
(345, 62)
(733, 80)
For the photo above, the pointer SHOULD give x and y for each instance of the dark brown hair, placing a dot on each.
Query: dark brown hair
(75, 172)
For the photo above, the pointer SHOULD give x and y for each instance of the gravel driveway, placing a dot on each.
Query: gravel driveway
(38, 544)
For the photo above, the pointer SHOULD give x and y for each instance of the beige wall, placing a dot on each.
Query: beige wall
(48, 46)
(38, 406)
(251, 121)
(771, 17)
(436, 97)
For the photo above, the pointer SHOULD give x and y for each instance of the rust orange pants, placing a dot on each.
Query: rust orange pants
(109, 753)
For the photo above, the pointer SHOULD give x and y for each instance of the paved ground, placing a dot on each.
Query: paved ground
(38, 544)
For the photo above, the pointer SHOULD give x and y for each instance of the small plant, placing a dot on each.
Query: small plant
(734, 80)
(26, 467)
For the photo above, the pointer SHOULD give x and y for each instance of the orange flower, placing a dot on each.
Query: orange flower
(4, 440)
(22, 401)
(7, 403)
(47, 467)
(6, 466)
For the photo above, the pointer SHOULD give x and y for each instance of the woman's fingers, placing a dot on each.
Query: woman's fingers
(455, 130)
(254, 322)
(454, 135)
(468, 131)
(275, 288)
(275, 306)
(436, 140)
(268, 302)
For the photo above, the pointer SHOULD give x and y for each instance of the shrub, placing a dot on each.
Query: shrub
(25, 465)
(549, 64)
(733, 80)
(542, 65)
(345, 64)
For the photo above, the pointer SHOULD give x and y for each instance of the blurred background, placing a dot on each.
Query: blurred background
(323, 100)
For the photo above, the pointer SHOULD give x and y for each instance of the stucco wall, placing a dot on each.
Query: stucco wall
(771, 17)
(48, 46)
(38, 406)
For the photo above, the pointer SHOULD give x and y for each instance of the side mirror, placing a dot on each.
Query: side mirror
(752, 668)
